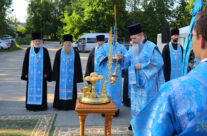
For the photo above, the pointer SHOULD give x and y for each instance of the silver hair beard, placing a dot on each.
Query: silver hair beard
(135, 48)
(37, 46)
(67, 50)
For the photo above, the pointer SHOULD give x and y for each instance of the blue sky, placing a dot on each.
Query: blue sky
(20, 9)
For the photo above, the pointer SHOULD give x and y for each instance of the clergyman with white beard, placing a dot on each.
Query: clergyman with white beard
(36, 71)
(67, 72)
(145, 69)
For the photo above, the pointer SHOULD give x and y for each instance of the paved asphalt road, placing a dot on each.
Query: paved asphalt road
(12, 91)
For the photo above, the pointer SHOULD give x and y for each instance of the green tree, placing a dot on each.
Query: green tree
(133, 5)
(44, 16)
(73, 24)
(94, 16)
(34, 22)
(182, 15)
(190, 5)
(4, 8)
(156, 14)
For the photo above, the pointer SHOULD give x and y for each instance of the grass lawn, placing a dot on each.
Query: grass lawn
(17, 127)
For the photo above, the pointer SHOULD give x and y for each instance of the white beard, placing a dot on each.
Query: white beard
(37, 46)
(135, 48)
(67, 50)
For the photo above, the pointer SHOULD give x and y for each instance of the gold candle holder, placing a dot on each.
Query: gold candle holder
(89, 96)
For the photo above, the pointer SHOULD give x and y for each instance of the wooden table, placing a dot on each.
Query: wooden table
(83, 110)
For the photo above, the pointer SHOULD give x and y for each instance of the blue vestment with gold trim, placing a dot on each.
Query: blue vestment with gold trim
(144, 83)
(179, 108)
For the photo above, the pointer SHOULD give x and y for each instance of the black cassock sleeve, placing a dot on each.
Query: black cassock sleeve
(56, 66)
(167, 63)
(47, 65)
(90, 63)
(25, 67)
(78, 76)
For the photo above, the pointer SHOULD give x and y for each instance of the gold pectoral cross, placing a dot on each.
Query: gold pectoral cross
(37, 60)
(68, 60)
(175, 57)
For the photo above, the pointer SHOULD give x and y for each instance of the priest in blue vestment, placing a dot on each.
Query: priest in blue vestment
(36, 71)
(180, 106)
(67, 72)
(172, 56)
(145, 69)
(113, 91)
(92, 63)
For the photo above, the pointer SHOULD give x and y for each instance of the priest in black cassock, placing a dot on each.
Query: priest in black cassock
(36, 71)
(172, 55)
(67, 72)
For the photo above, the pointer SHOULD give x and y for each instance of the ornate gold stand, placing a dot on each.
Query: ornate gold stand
(89, 96)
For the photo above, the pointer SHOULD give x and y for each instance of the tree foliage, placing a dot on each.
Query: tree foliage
(156, 15)
(182, 15)
(73, 24)
(44, 16)
(94, 16)
(57, 17)
(4, 8)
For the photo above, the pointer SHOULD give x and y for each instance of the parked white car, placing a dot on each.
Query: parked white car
(9, 39)
(11, 42)
(3, 45)
(90, 41)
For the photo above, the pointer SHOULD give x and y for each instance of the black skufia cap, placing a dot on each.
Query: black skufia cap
(36, 36)
(175, 31)
(100, 38)
(67, 37)
(135, 29)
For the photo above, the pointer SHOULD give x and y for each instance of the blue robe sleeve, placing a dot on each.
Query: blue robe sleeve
(126, 60)
(102, 55)
(123, 51)
(158, 117)
(197, 127)
(154, 64)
